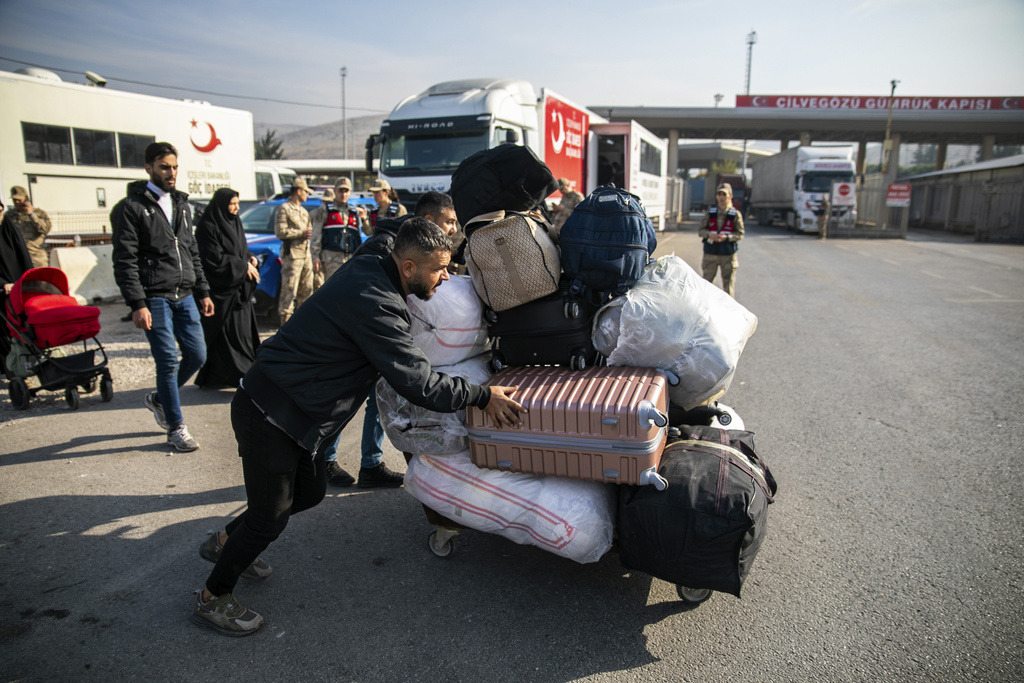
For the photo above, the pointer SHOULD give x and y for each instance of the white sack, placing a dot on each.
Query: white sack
(449, 327)
(674, 319)
(568, 517)
(412, 429)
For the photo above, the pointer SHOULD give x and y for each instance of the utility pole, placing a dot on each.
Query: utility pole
(751, 39)
(344, 117)
(887, 145)
(718, 98)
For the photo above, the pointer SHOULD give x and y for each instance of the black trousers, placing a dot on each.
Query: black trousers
(281, 479)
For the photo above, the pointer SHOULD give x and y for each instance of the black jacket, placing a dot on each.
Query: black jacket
(151, 259)
(314, 375)
(383, 238)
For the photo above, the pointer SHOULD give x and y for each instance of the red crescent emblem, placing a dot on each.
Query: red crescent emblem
(210, 146)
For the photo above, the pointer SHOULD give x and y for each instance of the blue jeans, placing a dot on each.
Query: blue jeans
(373, 438)
(175, 320)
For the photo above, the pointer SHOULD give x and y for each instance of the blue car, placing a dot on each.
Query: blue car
(258, 222)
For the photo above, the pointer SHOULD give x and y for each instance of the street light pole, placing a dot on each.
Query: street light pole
(344, 121)
(751, 39)
(887, 145)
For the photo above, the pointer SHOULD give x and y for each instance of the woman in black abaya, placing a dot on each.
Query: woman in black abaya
(231, 332)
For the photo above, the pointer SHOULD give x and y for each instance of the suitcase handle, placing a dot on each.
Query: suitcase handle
(648, 414)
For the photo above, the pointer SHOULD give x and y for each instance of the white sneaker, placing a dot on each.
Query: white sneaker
(153, 404)
(181, 439)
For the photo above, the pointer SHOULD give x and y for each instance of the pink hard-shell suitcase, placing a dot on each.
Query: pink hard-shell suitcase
(601, 424)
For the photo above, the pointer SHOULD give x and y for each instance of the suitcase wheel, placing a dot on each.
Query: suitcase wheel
(442, 542)
(490, 316)
(571, 310)
(693, 596)
(578, 361)
(496, 363)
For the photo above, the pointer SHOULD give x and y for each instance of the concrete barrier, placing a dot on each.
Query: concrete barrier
(90, 271)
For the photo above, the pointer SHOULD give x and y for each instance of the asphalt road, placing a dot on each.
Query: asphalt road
(885, 386)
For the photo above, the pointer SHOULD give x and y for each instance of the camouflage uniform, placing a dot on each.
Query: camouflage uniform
(290, 223)
(569, 201)
(34, 228)
(331, 259)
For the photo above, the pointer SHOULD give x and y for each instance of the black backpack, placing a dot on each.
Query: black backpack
(606, 242)
(507, 177)
(705, 529)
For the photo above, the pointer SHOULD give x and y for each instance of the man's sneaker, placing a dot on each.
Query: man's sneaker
(153, 404)
(379, 477)
(226, 616)
(211, 548)
(337, 476)
(181, 439)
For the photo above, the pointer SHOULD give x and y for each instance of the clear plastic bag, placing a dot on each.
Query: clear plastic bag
(412, 429)
(571, 518)
(449, 327)
(673, 319)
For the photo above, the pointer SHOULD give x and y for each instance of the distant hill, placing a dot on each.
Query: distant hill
(323, 141)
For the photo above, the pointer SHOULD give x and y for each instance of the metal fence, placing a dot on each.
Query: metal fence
(78, 228)
(989, 209)
(874, 218)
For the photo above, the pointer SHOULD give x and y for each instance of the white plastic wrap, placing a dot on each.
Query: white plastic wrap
(417, 430)
(568, 517)
(673, 319)
(449, 327)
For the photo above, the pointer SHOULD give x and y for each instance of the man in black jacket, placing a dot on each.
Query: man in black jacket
(308, 381)
(157, 268)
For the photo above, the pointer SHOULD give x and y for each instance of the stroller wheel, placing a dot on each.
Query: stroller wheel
(17, 389)
(106, 388)
(71, 396)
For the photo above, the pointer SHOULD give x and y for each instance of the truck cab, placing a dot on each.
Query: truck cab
(812, 186)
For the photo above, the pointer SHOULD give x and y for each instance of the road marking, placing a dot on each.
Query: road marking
(937, 277)
(985, 291)
(986, 301)
(895, 263)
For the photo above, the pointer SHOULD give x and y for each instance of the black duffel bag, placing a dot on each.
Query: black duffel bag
(706, 528)
(504, 178)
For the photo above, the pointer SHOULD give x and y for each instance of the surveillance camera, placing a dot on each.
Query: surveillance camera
(95, 79)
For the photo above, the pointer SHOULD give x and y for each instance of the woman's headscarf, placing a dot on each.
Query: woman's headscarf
(217, 210)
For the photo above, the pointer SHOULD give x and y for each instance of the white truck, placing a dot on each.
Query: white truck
(427, 136)
(76, 147)
(791, 185)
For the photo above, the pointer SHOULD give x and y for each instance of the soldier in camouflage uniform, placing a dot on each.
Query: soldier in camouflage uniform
(570, 198)
(33, 224)
(333, 222)
(292, 226)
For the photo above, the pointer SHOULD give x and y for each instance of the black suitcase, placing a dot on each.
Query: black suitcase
(552, 330)
(704, 531)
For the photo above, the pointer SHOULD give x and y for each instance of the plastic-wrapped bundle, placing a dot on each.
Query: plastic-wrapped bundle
(568, 517)
(417, 430)
(675, 320)
(449, 327)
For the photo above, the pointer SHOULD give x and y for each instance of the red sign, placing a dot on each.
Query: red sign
(872, 102)
(898, 195)
(565, 130)
(843, 194)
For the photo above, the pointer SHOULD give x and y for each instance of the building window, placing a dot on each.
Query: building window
(47, 144)
(133, 149)
(94, 148)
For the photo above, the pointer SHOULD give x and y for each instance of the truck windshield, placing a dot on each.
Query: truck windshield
(433, 154)
(822, 182)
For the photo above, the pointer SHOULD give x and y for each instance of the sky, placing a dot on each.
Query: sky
(594, 53)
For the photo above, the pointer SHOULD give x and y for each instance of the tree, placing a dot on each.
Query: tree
(924, 155)
(269, 147)
(726, 166)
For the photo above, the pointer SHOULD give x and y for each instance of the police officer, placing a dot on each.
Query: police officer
(388, 205)
(336, 230)
(721, 229)
(293, 227)
(33, 224)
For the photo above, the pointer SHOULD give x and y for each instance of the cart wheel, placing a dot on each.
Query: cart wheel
(693, 596)
(443, 548)
(71, 396)
(106, 389)
(89, 386)
(17, 389)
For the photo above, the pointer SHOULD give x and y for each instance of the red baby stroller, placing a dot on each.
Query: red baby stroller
(42, 317)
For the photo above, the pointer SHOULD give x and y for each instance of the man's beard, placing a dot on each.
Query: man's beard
(421, 290)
